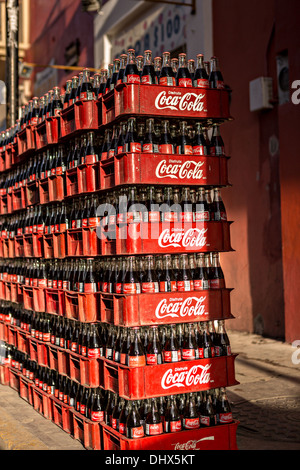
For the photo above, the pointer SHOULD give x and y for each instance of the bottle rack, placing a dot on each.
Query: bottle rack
(125, 310)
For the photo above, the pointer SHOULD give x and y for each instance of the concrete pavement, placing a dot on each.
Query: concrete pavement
(266, 402)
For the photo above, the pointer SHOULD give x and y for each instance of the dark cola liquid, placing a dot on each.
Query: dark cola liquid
(167, 76)
(148, 76)
(131, 74)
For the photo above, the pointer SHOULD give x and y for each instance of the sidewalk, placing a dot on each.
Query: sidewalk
(266, 402)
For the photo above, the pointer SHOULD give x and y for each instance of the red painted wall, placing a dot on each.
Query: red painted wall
(287, 37)
(265, 193)
(55, 25)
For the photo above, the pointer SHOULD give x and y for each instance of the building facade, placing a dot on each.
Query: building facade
(257, 45)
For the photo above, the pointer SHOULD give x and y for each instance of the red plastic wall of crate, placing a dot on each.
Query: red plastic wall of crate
(221, 437)
(177, 307)
(167, 379)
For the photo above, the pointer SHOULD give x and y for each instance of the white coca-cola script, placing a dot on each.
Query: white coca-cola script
(175, 308)
(191, 445)
(193, 376)
(189, 169)
(178, 102)
(193, 237)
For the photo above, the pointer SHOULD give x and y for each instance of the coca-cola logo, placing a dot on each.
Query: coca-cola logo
(192, 238)
(189, 169)
(178, 307)
(186, 377)
(191, 445)
(177, 102)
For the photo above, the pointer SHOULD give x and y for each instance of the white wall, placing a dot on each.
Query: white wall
(121, 19)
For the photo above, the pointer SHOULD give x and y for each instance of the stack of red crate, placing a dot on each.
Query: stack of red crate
(125, 310)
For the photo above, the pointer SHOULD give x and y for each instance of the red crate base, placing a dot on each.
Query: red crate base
(143, 168)
(177, 307)
(87, 432)
(169, 379)
(4, 375)
(212, 438)
(42, 402)
(26, 390)
(161, 237)
(62, 415)
(173, 102)
(87, 371)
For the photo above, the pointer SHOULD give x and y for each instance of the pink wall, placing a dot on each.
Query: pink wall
(55, 25)
(265, 193)
(241, 38)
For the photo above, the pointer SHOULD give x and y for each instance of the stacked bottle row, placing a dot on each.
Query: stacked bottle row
(126, 275)
(127, 68)
(128, 346)
(130, 418)
(146, 136)
(133, 204)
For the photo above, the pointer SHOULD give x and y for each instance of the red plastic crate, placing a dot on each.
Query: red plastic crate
(3, 204)
(26, 140)
(82, 115)
(168, 379)
(5, 248)
(44, 191)
(53, 130)
(222, 437)
(62, 415)
(160, 308)
(14, 292)
(54, 245)
(107, 103)
(41, 135)
(82, 306)
(12, 335)
(143, 168)
(9, 203)
(39, 300)
(22, 341)
(42, 402)
(55, 302)
(91, 372)
(83, 242)
(4, 375)
(88, 178)
(28, 297)
(2, 290)
(2, 161)
(107, 174)
(26, 390)
(28, 245)
(48, 246)
(43, 353)
(172, 102)
(164, 237)
(19, 198)
(14, 379)
(19, 246)
(8, 291)
(56, 188)
(38, 245)
(32, 193)
(58, 359)
(87, 371)
(33, 349)
(72, 182)
(53, 356)
(8, 156)
(11, 248)
(87, 432)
